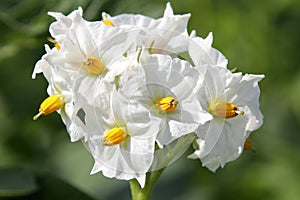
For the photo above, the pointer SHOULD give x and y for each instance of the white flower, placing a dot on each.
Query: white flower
(88, 48)
(233, 100)
(165, 35)
(165, 87)
(88, 53)
(120, 86)
(122, 144)
(58, 87)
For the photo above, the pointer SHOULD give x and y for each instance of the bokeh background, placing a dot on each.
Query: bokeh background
(37, 160)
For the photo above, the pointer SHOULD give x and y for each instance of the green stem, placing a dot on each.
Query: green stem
(139, 193)
(163, 157)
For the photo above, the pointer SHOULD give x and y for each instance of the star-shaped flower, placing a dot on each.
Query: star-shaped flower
(61, 97)
(165, 87)
(122, 144)
(233, 100)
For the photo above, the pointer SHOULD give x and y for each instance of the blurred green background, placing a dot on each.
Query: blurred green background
(37, 160)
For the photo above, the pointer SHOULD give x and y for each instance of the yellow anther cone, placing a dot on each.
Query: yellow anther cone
(94, 65)
(227, 110)
(107, 22)
(113, 137)
(167, 104)
(248, 144)
(49, 105)
(57, 46)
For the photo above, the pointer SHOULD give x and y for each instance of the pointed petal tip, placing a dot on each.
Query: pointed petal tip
(142, 180)
(80, 10)
(96, 168)
(168, 10)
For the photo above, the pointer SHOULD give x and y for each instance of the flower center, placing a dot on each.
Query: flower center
(227, 110)
(94, 65)
(167, 104)
(49, 105)
(113, 137)
(107, 22)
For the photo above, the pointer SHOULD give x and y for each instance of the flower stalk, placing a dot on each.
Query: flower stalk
(139, 193)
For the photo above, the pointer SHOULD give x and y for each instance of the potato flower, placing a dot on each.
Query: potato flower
(233, 100)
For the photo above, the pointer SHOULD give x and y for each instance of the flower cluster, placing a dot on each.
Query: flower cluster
(121, 86)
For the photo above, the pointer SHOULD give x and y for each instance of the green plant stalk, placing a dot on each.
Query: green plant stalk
(164, 159)
(139, 193)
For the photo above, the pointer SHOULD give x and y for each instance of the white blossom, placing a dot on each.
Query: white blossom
(122, 86)
(163, 78)
(233, 100)
(167, 34)
(129, 156)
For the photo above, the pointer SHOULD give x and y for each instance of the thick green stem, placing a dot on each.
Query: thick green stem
(162, 158)
(139, 193)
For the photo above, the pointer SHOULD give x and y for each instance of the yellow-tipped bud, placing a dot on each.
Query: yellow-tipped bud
(167, 104)
(235, 69)
(49, 105)
(94, 65)
(57, 46)
(227, 110)
(247, 144)
(107, 22)
(113, 137)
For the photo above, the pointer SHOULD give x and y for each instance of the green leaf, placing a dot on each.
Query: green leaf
(19, 184)
(16, 181)
(52, 187)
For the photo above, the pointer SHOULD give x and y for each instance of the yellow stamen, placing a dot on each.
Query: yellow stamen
(49, 105)
(227, 110)
(107, 22)
(167, 104)
(57, 46)
(113, 137)
(94, 65)
(247, 144)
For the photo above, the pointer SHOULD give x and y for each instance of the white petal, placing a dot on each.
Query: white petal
(165, 35)
(229, 144)
(209, 136)
(214, 84)
(43, 66)
(168, 11)
(246, 93)
(59, 28)
(202, 53)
